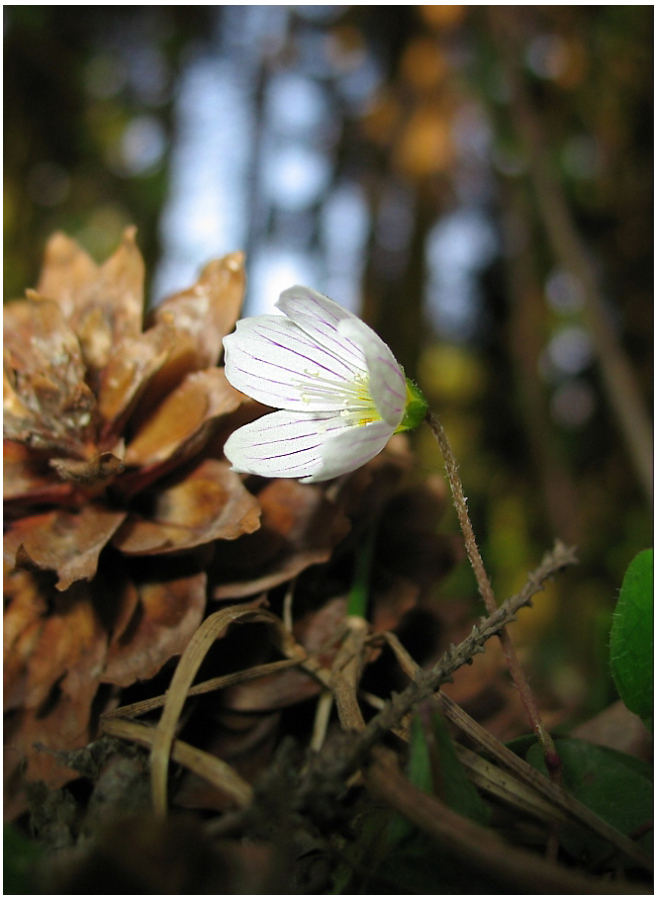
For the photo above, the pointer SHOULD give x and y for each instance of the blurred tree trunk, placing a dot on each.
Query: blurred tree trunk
(526, 341)
(394, 295)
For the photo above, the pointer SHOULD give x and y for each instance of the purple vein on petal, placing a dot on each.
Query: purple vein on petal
(313, 323)
(396, 371)
(263, 333)
(307, 358)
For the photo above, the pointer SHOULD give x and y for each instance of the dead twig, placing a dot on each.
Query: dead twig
(141, 707)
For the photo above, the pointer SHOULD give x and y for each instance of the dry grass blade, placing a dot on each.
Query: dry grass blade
(556, 795)
(477, 846)
(506, 787)
(210, 630)
(205, 687)
(346, 673)
(214, 770)
(322, 714)
(408, 665)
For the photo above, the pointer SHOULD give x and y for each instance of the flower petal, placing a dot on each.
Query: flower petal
(350, 448)
(387, 386)
(319, 317)
(283, 444)
(272, 360)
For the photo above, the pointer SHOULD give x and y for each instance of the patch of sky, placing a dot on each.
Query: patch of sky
(140, 147)
(564, 291)
(295, 175)
(458, 248)
(344, 231)
(573, 404)
(295, 106)
(570, 350)
(246, 34)
(547, 55)
(275, 267)
(236, 183)
(205, 214)
(359, 85)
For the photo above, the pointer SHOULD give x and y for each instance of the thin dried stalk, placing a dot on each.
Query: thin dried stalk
(406, 662)
(130, 710)
(473, 551)
(321, 721)
(346, 673)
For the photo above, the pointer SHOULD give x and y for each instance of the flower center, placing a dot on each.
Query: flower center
(354, 396)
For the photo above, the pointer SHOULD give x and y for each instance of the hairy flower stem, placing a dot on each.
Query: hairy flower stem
(550, 754)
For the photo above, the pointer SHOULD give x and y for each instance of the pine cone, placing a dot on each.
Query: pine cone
(115, 485)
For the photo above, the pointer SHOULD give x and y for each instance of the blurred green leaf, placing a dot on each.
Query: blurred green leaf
(358, 598)
(457, 791)
(435, 768)
(19, 857)
(631, 637)
(617, 787)
(365, 853)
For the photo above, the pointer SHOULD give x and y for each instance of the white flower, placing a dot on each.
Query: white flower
(338, 389)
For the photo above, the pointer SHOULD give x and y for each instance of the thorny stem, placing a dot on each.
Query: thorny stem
(551, 757)
(335, 763)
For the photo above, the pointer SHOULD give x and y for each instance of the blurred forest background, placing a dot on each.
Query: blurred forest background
(475, 181)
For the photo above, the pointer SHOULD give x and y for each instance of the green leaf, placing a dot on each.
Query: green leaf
(366, 852)
(20, 857)
(457, 791)
(631, 637)
(419, 772)
(434, 767)
(357, 603)
(617, 787)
